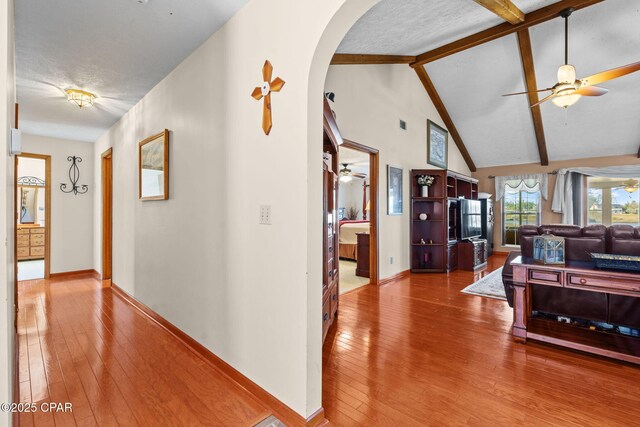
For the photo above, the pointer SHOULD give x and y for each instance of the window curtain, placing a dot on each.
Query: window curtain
(534, 182)
(567, 194)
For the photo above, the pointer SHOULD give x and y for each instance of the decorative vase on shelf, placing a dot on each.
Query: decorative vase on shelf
(423, 216)
(425, 190)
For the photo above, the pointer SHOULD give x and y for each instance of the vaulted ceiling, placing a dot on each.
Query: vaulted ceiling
(498, 130)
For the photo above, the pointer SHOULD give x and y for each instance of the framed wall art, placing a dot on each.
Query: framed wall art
(437, 145)
(394, 191)
(153, 167)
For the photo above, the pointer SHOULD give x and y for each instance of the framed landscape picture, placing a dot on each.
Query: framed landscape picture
(394, 190)
(437, 144)
(153, 171)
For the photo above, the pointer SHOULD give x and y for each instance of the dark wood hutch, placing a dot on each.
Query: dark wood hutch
(435, 242)
(330, 296)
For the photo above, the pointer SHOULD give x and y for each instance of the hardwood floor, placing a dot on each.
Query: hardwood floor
(80, 343)
(414, 352)
(418, 352)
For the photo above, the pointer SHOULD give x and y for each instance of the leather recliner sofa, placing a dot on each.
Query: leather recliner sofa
(580, 242)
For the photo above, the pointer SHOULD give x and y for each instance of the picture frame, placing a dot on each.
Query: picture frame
(437, 145)
(394, 190)
(153, 167)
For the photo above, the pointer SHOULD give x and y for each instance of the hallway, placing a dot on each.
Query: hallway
(82, 343)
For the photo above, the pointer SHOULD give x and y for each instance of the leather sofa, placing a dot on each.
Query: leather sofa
(580, 242)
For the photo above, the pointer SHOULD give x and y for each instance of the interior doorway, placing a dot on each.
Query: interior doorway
(107, 214)
(32, 216)
(357, 215)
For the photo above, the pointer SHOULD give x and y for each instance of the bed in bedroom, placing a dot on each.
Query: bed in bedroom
(348, 240)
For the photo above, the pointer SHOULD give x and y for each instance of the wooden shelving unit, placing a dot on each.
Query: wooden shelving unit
(439, 230)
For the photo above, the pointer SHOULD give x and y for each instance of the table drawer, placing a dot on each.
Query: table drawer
(23, 231)
(23, 240)
(39, 230)
(545, 277)
(23, 252)
(604, 284)
(37, 251)
(37, 240)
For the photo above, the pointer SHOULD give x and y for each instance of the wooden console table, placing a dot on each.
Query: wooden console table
(574, 275)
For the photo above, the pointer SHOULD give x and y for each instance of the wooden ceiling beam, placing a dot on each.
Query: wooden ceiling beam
(444, 115)
(505, 9)
(526, 54)
(530, 19)
(361, 59)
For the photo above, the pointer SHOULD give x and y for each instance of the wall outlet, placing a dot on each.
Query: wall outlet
(390, 260)
(265, 214)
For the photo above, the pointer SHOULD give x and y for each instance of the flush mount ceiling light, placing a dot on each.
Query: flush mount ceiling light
(80, 97)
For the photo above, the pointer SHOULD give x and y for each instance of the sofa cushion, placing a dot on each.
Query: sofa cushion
(581, 248)
(594, 230)
(569, 302)
(562, 230)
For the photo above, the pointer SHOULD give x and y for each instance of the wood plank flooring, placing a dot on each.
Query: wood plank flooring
(414, 352)
(80, 343)
(418, 352)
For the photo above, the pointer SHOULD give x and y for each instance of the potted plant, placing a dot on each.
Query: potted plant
(425, 181)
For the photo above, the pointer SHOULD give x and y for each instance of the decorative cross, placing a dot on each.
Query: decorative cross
(264, 91)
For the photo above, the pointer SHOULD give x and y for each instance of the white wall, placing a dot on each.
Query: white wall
(71, 215)
(370, 100)
(250, 293)
(7, 101)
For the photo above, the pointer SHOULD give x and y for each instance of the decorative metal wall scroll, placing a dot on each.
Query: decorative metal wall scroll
(31, 181)
(74, 177)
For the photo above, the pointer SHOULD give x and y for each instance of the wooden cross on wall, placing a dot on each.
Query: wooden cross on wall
(264, 91)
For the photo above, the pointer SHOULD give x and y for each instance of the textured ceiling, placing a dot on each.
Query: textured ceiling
(411, 27)
(498, 130)
(117, 49)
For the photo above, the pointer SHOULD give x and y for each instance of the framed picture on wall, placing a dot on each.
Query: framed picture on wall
(394, 191)
(153, 167)
(437, 145)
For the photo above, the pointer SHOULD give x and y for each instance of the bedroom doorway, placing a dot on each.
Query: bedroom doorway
(32, 216)
(357, 215)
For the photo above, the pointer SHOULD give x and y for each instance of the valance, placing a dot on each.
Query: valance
(532, 182)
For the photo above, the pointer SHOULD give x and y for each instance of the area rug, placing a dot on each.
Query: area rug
(489, 286)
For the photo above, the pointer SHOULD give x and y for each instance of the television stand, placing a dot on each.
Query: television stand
(472, 254)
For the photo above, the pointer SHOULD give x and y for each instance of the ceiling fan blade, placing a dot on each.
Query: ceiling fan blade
(267, 71)
(276, 84)
(524, 93)
(544, 100)
(359, 175)
(591, 91)
(610, 74)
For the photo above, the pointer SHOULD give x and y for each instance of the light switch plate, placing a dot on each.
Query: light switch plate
(265, 214)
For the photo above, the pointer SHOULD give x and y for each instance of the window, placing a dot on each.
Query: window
(519, 207)
(613, 201)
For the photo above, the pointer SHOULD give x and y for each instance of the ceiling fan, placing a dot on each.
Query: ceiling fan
(347, 174)
(569, 90)
(630, 186)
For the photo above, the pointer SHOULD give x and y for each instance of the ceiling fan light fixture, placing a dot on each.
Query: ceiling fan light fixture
(346, 178)
(567, 74)
(564, 101)
(80, 97)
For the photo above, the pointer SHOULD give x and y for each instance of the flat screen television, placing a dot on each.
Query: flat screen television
(470, 219)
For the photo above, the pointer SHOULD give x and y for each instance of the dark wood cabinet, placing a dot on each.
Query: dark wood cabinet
(362, 266)
(330, 272)
(434, 239)
(452, 256)
(472, 254)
